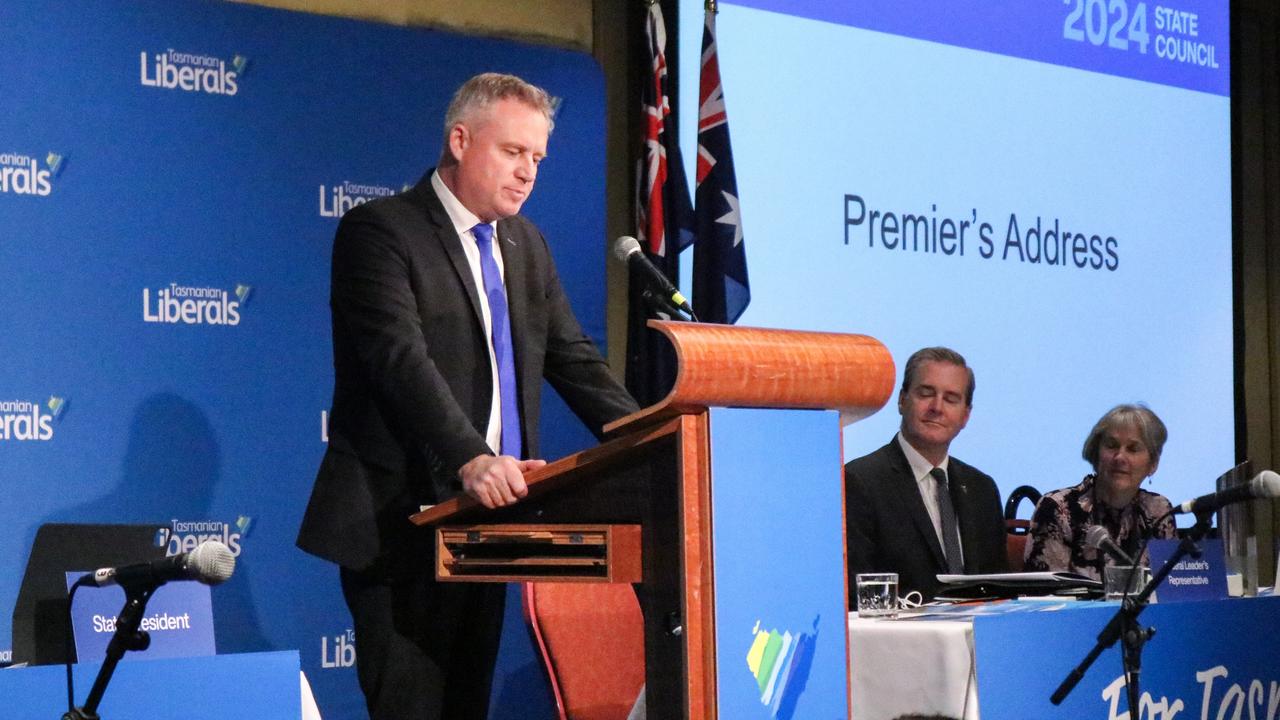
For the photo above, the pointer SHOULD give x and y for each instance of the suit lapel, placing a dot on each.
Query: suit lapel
(959, 477)
(516, 268)
(450, 243)
(908, 493)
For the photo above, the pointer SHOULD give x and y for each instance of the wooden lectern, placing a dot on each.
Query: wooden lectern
(642, 508)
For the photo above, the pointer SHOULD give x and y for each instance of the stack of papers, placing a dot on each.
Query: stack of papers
(1005, 585)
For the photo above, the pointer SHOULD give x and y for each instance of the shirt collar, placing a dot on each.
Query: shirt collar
(920, 467)
(462, 218)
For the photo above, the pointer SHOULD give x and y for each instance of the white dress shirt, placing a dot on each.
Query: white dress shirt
(920, 467)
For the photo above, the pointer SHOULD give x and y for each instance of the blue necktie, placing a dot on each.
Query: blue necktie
(502, 349)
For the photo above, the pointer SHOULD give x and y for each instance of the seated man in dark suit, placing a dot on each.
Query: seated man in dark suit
(912, 509)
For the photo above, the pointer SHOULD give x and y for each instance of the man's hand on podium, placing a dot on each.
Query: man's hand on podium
(496, 481)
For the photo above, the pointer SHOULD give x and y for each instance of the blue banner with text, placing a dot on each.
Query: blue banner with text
(1183, 43)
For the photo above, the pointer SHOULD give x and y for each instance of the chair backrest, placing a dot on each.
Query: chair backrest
(1016, 497)
(1016, 543)
(591, 636)
(1016, 530)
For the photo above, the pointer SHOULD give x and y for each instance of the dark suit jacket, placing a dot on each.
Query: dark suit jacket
(889, 530)
(411, 362)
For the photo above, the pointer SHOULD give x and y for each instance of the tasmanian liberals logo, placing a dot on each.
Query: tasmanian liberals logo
(177, 304)
(26, 420)
(192, 72)
(26, 175)
(338, 651)
(337, 199)
(183, 536)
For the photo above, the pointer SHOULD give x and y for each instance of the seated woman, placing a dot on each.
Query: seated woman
(1124, 449)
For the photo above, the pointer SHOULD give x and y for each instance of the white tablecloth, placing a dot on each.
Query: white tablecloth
(900, 667)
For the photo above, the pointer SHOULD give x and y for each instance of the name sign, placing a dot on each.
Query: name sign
(1203, 578)
(179, 618)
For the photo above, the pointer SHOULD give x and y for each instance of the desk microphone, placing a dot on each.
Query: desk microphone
(1265, 484)
(210, 563)
(1098, 538)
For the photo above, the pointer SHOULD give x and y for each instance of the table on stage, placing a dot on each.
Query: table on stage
(1218, 659)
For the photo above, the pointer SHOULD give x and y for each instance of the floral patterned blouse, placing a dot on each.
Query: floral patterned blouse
(1062, 518)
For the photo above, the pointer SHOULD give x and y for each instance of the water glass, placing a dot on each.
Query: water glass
(877, 595)
(1121, 580)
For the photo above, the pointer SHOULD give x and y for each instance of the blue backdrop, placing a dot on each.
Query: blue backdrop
(171, 175)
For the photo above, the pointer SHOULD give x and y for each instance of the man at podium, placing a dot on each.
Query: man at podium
(447, 316)
(913, 509)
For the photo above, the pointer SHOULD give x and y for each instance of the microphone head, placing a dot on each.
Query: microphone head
(1095, 536)
(1266, 484)
(625, 246)
(210, 563)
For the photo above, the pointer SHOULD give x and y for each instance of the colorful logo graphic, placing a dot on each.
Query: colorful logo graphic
(54, 161)
(56, 406)
(780, 662)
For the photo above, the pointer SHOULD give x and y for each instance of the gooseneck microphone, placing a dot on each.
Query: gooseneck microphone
(627, 249)
(210, 563)
(1265, 484)
(1098, 538)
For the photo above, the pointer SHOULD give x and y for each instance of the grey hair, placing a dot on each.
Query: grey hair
(1135, 415)
(482, 90)
(936, 354)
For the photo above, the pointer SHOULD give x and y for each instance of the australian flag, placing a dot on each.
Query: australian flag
(720, 289)
(664, 222)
